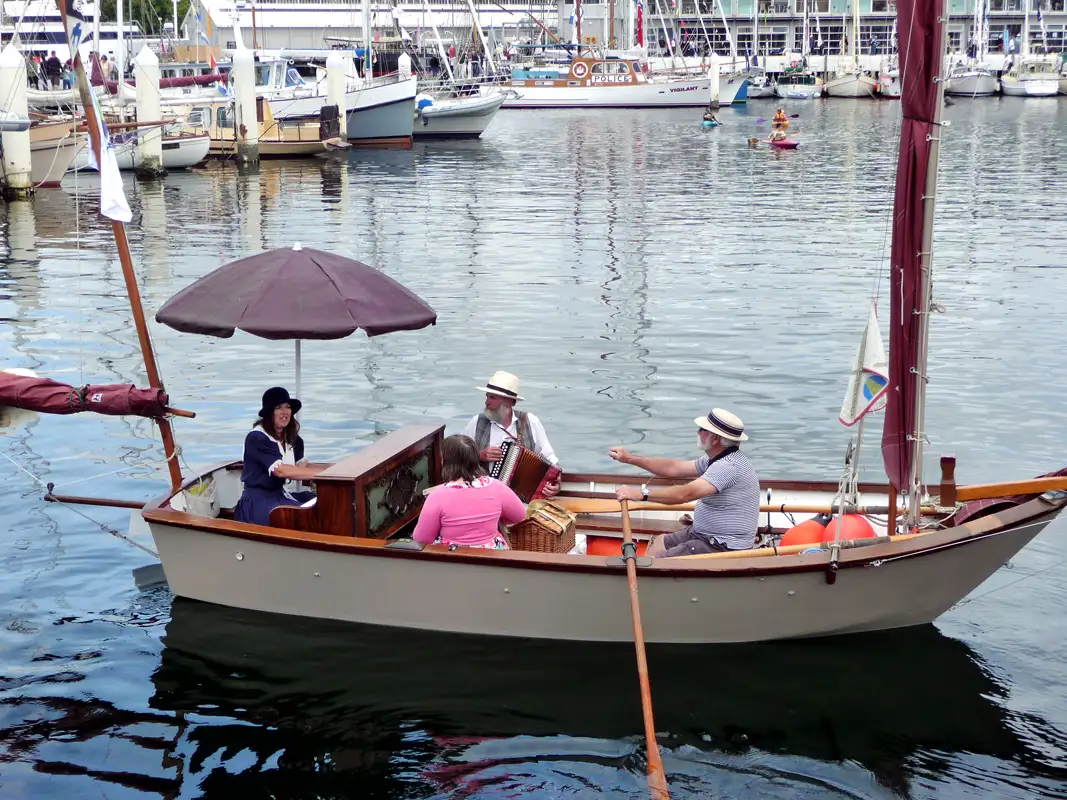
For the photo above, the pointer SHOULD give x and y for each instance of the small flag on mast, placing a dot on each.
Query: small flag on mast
(869, 380)
(112, 197)
(77, 27)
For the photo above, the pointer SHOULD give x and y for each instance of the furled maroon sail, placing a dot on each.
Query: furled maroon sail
(51, 397)
(173, 83)
(920, 46)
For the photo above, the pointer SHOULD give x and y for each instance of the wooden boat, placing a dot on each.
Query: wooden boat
(346, 556)
(278, 138)
(341, 560)
(603, 83)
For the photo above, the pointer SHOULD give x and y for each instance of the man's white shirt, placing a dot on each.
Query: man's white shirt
(497, 435)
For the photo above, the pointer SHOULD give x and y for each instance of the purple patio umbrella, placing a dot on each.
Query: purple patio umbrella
(295, 293)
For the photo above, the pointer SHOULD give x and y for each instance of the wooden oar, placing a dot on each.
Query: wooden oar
(657, 781)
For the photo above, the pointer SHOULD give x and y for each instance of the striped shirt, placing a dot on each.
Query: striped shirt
(731, 515)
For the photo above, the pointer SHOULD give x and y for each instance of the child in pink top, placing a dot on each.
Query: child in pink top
(467, 510)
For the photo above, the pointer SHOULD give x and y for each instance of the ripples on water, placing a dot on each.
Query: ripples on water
(634, 269)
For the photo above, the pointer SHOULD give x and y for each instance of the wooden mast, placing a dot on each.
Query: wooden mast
(578, 24)
(123, 245)
(915, 490)
(611, 23)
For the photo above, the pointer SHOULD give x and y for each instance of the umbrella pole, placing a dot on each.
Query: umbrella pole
(298, 368)
(132, 290)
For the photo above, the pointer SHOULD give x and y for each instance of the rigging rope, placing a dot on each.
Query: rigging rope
(77, 511)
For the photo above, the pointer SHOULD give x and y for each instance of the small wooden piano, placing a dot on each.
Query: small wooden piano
(375, 493)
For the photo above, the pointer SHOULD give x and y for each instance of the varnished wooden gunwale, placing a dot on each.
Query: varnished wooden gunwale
(1032, 511)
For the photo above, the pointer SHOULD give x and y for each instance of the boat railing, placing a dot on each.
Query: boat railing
(460, 86)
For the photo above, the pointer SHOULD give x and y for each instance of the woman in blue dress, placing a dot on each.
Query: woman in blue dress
(273, 448)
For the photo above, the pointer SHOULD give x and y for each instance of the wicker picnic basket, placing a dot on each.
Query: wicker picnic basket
(546, 529)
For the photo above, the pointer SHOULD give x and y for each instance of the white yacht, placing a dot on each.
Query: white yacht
(1031, 76)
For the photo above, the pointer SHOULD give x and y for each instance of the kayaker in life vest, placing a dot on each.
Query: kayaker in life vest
(780, 120)
(709, 115)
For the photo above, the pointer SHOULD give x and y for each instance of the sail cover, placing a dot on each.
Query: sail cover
(51, 397)
(920, 66)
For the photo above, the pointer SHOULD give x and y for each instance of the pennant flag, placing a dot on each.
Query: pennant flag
(211, 61)
(112, 197)
(196, 13)
(203, 37)
(869, 380)
(77, 27)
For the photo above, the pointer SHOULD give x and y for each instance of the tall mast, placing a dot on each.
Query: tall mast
(578, 23)
(125, 259)
(755, 29)
(368, 69)
(440, 46)
(926, 286)
(853, 39)
(481, 36)
(729, 37)
(611, 23)
(1024, 45)
(119, 55)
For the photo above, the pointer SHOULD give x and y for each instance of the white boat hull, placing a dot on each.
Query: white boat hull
(760, 89)
(387, 588)
(1029, 87)
(457, 117)
(797, 91)
(889, 85)
(978, 83)
(679, 93)
(854, 85)
(178, 153)
(381, 113)
(50, 159)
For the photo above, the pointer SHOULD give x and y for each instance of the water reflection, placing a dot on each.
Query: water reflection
(313, 703)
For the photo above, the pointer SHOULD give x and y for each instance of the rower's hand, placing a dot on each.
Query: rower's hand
(550, 490)
(628, 493)
(491, 454)
(621, 454)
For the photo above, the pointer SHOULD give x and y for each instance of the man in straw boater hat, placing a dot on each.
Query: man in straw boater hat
(725, 487)
(500, 421)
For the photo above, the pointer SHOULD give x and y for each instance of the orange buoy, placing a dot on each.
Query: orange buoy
(808, 532)
(853, 526)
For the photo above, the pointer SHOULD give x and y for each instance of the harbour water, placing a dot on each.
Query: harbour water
(634, 269)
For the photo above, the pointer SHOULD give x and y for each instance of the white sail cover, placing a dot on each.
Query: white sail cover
(869, 379)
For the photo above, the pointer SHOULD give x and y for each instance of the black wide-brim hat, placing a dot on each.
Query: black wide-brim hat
(274, 397)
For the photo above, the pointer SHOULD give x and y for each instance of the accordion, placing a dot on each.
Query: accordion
(523, 470)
